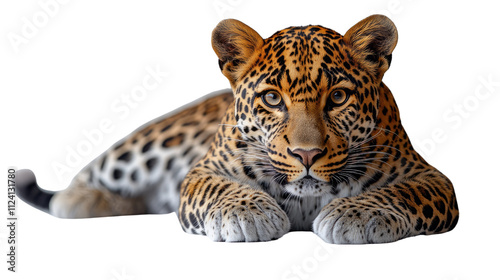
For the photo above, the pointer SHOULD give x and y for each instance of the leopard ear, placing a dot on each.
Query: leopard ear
(372, 41)
(234, 43)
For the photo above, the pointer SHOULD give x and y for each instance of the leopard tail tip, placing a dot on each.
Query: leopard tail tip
(28, 190)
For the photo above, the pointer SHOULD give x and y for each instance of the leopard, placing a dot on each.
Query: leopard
(307, 138)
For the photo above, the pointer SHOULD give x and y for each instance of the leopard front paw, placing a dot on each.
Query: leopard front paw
(352, 223)
(255, 217)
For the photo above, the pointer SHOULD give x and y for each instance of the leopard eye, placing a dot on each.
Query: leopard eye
(272, 99)
(339, 97)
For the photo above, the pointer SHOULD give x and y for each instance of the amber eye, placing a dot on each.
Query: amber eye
(272, 99)
(339, 97)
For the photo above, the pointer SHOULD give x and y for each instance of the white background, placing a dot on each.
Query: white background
(62, 78)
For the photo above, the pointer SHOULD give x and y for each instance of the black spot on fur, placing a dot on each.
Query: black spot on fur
(249, 172)
(117, 174)
(126, 157)
(169, 164)
(434, 224)
(193, 219)
(134, 176)
(428, 212)
(103, 163)
(418, 226)
(151, 163)
(439, 204)
(147, 146)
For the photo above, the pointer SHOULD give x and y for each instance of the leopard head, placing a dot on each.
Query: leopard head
(306, 94)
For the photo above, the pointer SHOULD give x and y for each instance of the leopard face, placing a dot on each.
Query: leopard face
(308, 95)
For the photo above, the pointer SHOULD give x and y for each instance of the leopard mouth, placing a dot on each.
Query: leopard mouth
(307, 186)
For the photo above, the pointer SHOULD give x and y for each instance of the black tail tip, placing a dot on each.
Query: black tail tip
(28, 190)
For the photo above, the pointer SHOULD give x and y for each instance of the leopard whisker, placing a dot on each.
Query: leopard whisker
(369, 167)
(368, 161)
(389, 131)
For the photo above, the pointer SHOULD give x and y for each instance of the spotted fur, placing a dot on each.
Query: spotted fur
(311, 140)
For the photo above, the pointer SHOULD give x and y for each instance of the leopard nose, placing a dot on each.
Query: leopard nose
(307, 157)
